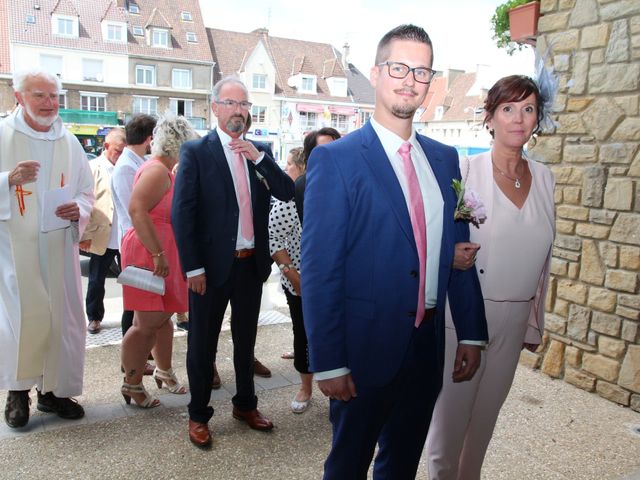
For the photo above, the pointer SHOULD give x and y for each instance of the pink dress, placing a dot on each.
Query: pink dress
(175, 298)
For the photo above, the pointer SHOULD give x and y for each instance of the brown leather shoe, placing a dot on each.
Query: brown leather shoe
(260, 370)
(254, 419)
(199, 434)
(216, 383)
(94, 327)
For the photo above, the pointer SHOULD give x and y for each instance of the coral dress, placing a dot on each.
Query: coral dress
(133, 252)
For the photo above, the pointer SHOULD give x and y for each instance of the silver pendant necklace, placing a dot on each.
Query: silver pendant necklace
(516, 181)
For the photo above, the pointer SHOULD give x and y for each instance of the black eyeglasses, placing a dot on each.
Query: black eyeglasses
(400, 70)
(233, 104)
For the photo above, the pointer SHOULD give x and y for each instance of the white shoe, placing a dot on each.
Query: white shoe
(299, 407)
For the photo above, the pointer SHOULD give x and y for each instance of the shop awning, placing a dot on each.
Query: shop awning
(348, 111)
(83, 129)
(310, 107)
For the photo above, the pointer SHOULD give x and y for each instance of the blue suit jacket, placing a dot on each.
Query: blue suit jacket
(205, 211)
(360, 262)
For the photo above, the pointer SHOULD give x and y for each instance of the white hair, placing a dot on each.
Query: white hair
(20, 78)
(170, 133)
(215, 93)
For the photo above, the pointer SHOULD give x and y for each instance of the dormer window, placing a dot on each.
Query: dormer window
(31, 19)
(133, 8)
(160, 38)
(259, 81)
(308, 84)
(114, 32)
(191, 37)
(186, 16)
(138, 31)
(65, 26)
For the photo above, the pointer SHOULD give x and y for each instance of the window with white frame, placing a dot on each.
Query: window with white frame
(115, 33)
(95, 102)
(181, 78)
(160, 38)
(258, 114)
(148, 105)
(65, 26)
(92, 70)
(62, 99)
(146, 75)
(259, 81)
(138, 31)
(308, 120)
(180, 106)
(133, 8)
(51, 64)
(191, 37)
(339, 122)
(308, 84)
(185, 16)
(365, 116)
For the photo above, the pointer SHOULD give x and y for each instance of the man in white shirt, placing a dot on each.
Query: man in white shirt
(101, 237)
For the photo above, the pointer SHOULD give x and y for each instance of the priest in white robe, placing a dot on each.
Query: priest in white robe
(42, 331)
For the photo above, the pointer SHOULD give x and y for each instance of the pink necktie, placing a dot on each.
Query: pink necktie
(246, 215)
(416, 212)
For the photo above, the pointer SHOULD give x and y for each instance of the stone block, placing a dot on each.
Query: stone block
(626, 229)
(571, 195)
(553, 21)
(635, 402)
(565, 226)
(609, 254)
(565, 41)
(600, 366)
(622, 280)
(578, 104)
(618, 194)
(594, 36)
(602, 299)
(561, 307)
(571, 123)
(618, 171)
(578, 323)
(620, 9)
(634, 170)
(607, 324)
(547, 6)
(566, 4)
(630, 371)
(592, 338)
(592, 231)
(613, 393)
(601, 117)
(629, 104)
(614, 78)
(591, 271)
(621, 152)
(562, 174)
(566, 255)
(530, 359)
(611, 347)
(593, 184)
(618, 47)
(555, 324)
(629, 258)
(626, 312)
(554, 359)
(571, 212)
(581, 64)
(584, 13)
(567, 242)
(635, 24)
(572, 291)
(573, 356)
(561, 63)
(597, 56)
(579, 379)
(558, 196)
(573, 270)
(580, 154)
(631, 301)
(628, 130)
(629, 331)
(558, 267)
(547, 149)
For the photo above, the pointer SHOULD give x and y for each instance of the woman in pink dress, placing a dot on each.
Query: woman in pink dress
(511, 251)
(150, 244)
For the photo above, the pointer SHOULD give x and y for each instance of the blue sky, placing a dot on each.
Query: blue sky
(460, 29)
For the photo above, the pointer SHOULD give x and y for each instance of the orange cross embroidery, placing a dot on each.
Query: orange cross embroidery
(61, 180)
(20, 194)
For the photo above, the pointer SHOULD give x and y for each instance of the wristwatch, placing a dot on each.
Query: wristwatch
(285, 267)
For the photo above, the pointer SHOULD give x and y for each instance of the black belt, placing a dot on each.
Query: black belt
(244, 252)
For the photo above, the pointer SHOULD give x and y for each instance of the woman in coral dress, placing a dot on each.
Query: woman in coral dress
(151, 244)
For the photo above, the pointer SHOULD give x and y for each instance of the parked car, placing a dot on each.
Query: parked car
(91, 156)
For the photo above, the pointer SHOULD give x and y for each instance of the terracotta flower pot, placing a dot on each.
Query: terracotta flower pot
(523, 22)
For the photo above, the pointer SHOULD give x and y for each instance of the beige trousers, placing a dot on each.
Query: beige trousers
(466, 413)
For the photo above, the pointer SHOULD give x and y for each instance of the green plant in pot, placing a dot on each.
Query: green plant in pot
(500, 24)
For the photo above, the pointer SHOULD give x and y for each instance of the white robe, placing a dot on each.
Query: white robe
(66, 345)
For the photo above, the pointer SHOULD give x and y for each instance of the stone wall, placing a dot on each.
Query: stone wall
(593, 306)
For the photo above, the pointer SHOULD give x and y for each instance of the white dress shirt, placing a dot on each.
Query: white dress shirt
(121, 187)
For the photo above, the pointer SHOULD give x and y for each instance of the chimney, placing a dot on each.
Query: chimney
(124, 4)
(345, 56)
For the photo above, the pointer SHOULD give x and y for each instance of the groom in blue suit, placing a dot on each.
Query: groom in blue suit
(375, 347)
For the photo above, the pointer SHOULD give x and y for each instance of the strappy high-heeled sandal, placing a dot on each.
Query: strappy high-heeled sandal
(128, 390)
(168, 378)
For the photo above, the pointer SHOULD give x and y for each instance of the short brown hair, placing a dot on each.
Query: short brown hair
(513, 88)
(402, 32)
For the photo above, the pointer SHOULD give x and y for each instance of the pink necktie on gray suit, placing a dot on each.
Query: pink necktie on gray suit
(416, 212)
(244, 197)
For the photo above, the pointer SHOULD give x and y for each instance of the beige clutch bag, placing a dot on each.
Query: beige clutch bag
(141, 278)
